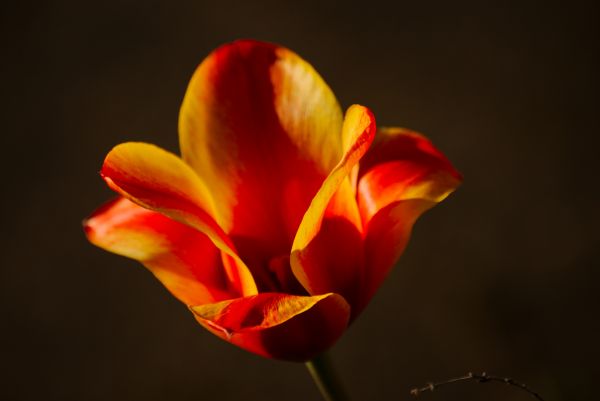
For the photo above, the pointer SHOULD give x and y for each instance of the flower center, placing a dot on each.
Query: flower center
(271, 273)
(280, 269)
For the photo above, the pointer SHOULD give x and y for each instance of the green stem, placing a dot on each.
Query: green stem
(324, 376)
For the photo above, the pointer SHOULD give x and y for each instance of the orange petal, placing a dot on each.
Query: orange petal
(276, 325)
(263, 130)
(160, 181)
(326, 251)
(401, 176)
(182, 258)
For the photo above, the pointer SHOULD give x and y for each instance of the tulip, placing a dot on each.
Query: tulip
(283, 216)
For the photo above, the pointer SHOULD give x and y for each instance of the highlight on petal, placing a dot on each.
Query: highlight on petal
(262, 129)
(182, 258)
(315, 247)
(401, 176)
(307, 109)
(275, 325)
(158, 180)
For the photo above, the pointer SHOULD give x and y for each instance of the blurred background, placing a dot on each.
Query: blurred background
(502, 277)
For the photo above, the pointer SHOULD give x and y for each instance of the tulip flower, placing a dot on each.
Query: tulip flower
(282, 216)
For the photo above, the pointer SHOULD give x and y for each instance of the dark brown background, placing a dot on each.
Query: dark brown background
(501, 277)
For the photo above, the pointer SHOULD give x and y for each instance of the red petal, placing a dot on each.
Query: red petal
(401, 177)
(183, 259)
(281, 326)
(160, 181)
(263, 130)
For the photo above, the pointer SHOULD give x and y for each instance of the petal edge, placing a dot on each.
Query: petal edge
(274, 325)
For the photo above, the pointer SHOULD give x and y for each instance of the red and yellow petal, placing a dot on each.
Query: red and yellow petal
(327, 249)
(401, 176)
(263, 130)
(401, 165)
(183, 259)
(275, 325)
(158, 180)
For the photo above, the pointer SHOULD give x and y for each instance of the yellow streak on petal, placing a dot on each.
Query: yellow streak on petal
(282, 309)
(307, 109)
(357, 134)
(159, 180)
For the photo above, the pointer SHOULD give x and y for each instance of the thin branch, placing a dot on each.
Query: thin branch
(481, 378)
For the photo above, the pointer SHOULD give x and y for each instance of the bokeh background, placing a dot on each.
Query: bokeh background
(502, 277)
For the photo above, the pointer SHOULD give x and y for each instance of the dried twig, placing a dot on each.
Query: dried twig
(481, 378)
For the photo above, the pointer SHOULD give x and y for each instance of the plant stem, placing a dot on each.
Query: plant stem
(324, 376)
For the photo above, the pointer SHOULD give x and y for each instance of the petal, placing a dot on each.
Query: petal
(307, 109)
(400, 165)
(263, 130)
(276, 325)
(385, 240)
(401, 177)
(160, 181)
(183, 259)
(326, 251)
